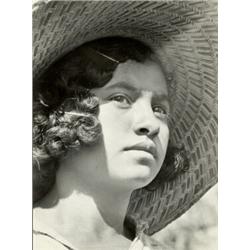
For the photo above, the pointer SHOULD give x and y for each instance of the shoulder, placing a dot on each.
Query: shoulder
(45, 238)
(42, 242)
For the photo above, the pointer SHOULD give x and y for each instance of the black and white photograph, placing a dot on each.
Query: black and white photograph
(124, 125)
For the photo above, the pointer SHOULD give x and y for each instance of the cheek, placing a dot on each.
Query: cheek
(164, 139)
(114, 124)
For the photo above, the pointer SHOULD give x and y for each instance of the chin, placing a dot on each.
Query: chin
(140, 183)
(138, 180)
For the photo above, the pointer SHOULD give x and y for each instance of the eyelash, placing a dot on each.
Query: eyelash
(119, 96)
(160, 111)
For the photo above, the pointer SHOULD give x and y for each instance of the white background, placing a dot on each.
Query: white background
(16, 124)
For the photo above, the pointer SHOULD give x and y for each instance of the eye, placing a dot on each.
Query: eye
(121, 99)
(160, 111)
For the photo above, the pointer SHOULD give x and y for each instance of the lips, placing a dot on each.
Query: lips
(144, 146)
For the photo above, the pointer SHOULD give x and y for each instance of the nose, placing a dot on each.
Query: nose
(146, 123)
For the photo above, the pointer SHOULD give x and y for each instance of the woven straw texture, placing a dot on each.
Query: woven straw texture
(186, 32)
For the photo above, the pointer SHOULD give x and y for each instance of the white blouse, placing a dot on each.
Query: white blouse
(46, 239)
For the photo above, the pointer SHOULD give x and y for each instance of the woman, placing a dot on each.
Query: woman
(99, 158)
(102, 122)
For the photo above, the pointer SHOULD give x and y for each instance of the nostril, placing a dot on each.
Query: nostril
(144, 130)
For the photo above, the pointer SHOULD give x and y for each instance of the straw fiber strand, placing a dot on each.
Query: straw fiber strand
(186, 32)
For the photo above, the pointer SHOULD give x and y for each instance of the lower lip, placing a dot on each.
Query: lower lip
(141, 153)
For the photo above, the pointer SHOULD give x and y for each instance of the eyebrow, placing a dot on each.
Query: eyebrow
(130, 87)
(123, 85)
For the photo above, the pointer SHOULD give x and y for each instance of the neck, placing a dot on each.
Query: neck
(96, 211)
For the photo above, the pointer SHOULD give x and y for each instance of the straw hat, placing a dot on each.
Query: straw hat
(186, 32)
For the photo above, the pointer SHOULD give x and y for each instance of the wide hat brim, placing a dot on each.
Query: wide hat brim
(185, 32)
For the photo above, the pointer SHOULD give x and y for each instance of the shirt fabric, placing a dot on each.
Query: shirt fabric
(46, 239)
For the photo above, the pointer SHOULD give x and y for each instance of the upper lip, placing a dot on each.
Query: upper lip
(144, 146)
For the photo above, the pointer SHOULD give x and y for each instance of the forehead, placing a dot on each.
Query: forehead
(147, 76)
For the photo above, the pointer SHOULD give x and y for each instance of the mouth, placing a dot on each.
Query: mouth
(145, 147)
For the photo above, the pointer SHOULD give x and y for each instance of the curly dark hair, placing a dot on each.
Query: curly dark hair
(65, 88)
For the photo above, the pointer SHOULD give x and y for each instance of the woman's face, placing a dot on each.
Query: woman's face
(133, 114)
